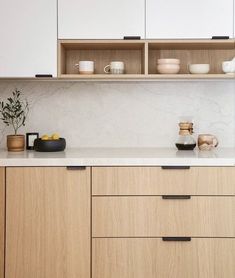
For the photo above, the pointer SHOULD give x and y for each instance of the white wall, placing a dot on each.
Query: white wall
(133, 114)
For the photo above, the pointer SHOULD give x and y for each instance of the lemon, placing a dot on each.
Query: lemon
(55, 136)
(45, 137)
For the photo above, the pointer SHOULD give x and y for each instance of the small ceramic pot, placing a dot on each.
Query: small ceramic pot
(15, 143)
(207, 142)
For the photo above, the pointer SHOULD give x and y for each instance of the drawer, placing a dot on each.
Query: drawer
(158, 181)
(155, 258)
(152, 216)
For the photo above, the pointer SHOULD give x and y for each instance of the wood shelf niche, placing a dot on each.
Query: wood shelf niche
(140, 57)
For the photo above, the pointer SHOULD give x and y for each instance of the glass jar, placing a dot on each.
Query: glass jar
(185, 140)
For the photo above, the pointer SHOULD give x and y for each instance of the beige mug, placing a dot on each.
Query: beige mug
(207, 142)
(115, 67)
(85, 67)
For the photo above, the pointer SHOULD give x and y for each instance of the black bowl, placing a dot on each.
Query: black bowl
(49, 145)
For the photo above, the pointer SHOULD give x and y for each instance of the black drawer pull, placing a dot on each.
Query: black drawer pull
(175, 167)
(176, 197)
(74, 168)
(176, 238)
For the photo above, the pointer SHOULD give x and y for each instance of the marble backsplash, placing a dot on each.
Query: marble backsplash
(133, 114)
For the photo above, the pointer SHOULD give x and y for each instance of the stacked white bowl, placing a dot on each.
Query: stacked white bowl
(168, 66)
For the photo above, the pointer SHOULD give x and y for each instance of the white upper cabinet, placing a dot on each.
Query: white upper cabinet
(101, 19)
(28, 38)
(188, 19)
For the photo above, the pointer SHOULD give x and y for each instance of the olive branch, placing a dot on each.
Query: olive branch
(14, 111)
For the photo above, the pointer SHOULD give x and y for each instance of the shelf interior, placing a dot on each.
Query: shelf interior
(140, 57)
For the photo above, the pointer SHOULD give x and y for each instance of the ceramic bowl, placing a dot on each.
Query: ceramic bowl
(168, 61)
(168, 68)
(49, 145)
(199, 68)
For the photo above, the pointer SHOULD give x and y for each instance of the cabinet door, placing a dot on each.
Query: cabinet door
(155, 258)
(172, 19)
(105, 19)
(2, 220)
(47, 223)
(28, 32)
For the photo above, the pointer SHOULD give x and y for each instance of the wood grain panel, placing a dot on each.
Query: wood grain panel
(2, 220)
(154, 258)
(48, 223)
(156, 217)
(156, 181)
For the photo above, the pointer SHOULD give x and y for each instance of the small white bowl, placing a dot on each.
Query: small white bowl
(168, 68)
(168, 61)
(199, 68)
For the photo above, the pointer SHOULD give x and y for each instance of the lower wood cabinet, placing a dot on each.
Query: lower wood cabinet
(47, 223)
(2, 220)
(155, 258)
(154, 216)
(143, 223)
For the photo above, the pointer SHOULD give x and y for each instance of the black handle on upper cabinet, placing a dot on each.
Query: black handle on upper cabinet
(131, 37)
(175, 167)
(220, 38)
(43, 75)
(76, 168)
(176, 197)
(176, 238)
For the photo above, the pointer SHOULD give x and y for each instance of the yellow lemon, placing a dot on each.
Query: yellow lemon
(45, 137)
(55, 136)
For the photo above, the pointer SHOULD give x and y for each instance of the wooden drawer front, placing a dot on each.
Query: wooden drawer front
(153, 216)
(156, 181)
(154, 258)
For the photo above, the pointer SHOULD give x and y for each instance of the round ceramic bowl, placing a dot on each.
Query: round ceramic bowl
(199, 68)
(168, 69)
(49, 145)
(168, 61)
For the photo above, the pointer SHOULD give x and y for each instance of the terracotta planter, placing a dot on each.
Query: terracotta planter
(15, 143)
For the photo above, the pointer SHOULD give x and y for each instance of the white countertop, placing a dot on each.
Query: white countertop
(120, 157)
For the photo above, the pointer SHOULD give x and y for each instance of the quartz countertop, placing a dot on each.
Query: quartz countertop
(120, 157)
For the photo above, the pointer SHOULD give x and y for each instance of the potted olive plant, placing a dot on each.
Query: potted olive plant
(13, 113)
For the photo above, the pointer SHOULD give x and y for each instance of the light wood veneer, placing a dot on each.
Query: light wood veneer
(2, 220)
(48, 223)
(154, 258)
(156, 181)
(155, 217)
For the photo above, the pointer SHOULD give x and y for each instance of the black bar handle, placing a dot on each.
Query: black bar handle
(175, 167)
(176, 238)
(220, 38)
(74, 168)
(43, 75)
(176, 197)
(131, 37)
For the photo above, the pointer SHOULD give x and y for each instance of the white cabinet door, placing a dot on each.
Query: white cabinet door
(101, 19)
(28, 38)
(171, 19)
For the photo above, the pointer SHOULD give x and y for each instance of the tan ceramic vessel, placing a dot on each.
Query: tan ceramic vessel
(15, 143)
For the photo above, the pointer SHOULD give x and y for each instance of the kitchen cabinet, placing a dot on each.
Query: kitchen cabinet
(106, 19)
(28, 31)
(153, 257)
(140, 58)
(188, 19)
(47, 222)
(2, 220)
(153, 221)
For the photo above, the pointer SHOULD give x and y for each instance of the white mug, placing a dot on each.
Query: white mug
(115, 67)
(228, 66)
(85, 67)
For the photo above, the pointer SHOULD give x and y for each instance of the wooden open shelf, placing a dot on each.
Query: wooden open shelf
(140, 57)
